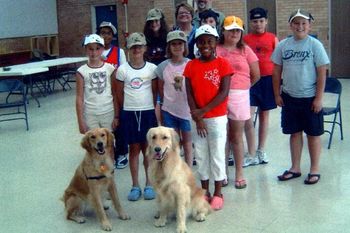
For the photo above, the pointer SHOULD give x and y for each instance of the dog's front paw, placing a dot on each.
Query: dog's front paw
(124, 216)
(160, 222)
(181, 229)
(106, 226)
(200, 217)
(78, 219)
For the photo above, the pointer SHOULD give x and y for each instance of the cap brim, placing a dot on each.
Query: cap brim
(231, 27)
(133, 44)
(153, 18)
(298, 15)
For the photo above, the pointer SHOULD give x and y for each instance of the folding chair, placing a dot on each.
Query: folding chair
(9, 88)
(334, 87)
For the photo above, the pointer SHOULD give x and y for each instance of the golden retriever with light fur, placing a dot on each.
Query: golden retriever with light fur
(173, 179)
(92, 178)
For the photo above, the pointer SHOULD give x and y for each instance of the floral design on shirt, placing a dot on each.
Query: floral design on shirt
(213, 76)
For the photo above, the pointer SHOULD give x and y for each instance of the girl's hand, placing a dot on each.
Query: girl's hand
(197, 114)
(316, 106)
(201, 128)
(279, 101)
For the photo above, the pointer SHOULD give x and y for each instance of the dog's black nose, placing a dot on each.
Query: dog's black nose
(157, 149)
(99, 144)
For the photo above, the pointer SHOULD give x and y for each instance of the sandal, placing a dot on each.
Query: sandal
(148, 193)
(134, 194)
(310, 176)
(287, 175)
(240, 184)
(217, 202)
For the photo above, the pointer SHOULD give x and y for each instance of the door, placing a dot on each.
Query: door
(340, 38)
(107, 13)
(270, 6)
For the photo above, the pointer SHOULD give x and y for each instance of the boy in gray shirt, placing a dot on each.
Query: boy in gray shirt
(301, 61)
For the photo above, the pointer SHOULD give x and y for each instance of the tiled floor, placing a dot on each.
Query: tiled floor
(36, 166)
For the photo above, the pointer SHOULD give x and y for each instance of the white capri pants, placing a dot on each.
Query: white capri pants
(210, 151)
(99, 121)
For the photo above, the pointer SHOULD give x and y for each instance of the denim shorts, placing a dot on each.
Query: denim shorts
(261, 94)
(135, 125)
(172, 121)
(297, 116)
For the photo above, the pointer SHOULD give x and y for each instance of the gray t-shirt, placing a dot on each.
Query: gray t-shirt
(299, 60)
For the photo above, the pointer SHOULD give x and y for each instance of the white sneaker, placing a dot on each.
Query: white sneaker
(250, 160)
(262, 157)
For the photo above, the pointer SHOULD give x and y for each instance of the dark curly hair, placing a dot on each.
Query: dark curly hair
(163, 31)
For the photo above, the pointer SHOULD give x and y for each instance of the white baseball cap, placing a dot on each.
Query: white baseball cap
(110, 25)
(300, 13)
(93, 38)
(206, 29)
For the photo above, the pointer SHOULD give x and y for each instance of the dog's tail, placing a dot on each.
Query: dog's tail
(200, 207)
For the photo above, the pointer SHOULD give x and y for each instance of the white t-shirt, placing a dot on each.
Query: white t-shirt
(299, 60)
(175, 99)
(138, 94)
(98, 97)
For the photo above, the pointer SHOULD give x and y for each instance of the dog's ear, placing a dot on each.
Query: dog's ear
(85, 143)
(149, 135)
(110, 137)
(175, 140)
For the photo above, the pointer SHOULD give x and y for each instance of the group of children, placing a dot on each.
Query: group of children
(207, 99)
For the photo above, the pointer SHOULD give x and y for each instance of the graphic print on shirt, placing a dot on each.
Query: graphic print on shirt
(136, 83)
(296, 56)
(213, 76)
(98, 82)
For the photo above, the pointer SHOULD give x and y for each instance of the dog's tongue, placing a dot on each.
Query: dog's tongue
(157, 155)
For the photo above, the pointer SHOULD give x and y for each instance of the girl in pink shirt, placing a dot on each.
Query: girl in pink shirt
(245, 63)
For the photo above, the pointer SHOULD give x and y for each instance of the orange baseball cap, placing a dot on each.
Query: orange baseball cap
(233, 22)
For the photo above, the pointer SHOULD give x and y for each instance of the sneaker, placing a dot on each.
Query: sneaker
(250, 161)
(122, 162)
(262, 157)
(231, 162)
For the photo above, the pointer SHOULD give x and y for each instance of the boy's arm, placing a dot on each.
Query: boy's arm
(276, 82)
(320, 85)
(79, 103)
(115, 101)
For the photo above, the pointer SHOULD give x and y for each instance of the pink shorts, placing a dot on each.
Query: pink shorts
(238, 105)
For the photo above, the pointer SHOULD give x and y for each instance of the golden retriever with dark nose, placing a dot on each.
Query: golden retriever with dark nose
(92, 178)
(173, 180)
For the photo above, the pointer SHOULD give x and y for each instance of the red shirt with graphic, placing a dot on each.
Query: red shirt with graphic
(263, 46)
(205, 79)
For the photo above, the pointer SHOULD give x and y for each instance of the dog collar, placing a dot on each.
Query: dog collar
(96, 177)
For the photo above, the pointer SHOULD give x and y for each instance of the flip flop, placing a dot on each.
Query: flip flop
(310, 176)
(287, 175)
(240, 184)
